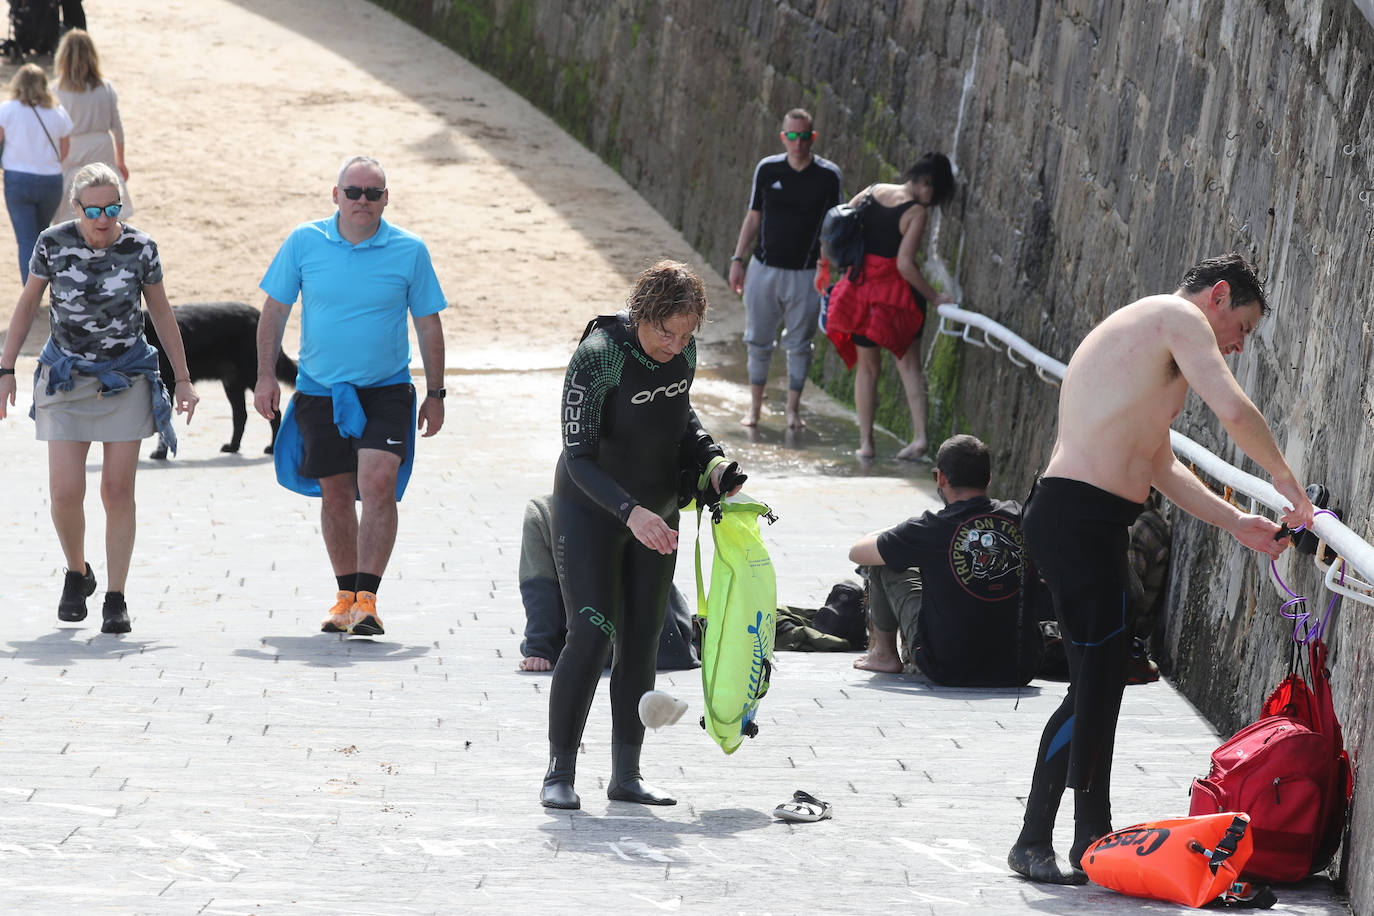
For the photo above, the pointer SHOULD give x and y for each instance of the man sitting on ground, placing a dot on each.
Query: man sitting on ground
(546, 624)
(953, 581)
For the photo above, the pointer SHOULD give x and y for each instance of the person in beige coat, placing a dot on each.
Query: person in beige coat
(97, 132)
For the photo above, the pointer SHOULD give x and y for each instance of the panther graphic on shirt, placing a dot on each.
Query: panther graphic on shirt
(985, 555)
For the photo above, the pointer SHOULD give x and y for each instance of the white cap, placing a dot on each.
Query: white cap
(657, 709)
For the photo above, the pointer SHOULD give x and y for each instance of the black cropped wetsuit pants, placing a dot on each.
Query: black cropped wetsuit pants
(1078, 536)
(614, 591)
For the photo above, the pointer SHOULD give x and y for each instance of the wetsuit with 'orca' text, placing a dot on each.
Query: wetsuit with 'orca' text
(629, 434)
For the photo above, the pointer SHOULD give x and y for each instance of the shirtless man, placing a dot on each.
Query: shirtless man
(1124, 385)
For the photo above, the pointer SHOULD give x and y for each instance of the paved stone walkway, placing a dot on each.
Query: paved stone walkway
(226, 757)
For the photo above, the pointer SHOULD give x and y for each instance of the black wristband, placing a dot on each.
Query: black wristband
(6, 372)
(439, 393)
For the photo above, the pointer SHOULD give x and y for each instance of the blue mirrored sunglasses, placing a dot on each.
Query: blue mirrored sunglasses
(110, 210)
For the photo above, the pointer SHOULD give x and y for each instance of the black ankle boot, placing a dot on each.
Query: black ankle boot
(558, 781)
(116, 614)
(76, 588)
(626, 783)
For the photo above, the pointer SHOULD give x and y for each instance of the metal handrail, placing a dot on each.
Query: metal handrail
(956, 321)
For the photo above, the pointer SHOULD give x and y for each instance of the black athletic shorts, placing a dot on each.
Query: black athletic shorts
(326, 453)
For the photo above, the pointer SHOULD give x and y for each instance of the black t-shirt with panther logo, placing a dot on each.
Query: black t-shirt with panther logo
(977, 626)
(628, 424)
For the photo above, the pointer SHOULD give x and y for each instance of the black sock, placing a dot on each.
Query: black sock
(346, 582)
(366, 582)
(114, 599)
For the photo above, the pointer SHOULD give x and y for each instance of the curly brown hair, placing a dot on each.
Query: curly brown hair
(666, 290)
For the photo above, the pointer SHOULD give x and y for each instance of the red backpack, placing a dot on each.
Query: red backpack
(1290, 772)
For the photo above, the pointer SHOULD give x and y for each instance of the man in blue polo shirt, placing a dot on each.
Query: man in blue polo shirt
(358, 277)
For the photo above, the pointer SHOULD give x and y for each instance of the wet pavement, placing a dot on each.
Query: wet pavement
(225, 757)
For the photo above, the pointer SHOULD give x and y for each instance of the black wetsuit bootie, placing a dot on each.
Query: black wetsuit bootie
(626, 783)
(1038, 862)
(1084, 838)
(116, 614)
(76, 588)
(558, 781)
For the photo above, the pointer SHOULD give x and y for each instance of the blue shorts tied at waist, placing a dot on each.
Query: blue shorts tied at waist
(349, 418)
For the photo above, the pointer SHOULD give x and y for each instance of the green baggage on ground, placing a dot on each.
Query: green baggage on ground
(737, 621)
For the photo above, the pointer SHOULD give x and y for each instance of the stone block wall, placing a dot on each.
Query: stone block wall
(1102, 146)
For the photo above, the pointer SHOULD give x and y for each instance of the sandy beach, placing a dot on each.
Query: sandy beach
(237, 114)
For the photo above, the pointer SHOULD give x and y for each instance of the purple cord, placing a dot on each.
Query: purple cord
(1302, 619)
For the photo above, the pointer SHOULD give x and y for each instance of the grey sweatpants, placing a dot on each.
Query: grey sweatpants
(776, 297)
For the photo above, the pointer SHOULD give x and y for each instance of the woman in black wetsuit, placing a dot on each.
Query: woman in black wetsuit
(885, 304)
(630, 437)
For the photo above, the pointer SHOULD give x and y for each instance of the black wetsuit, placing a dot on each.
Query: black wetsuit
(1078, 535)
(629, 434)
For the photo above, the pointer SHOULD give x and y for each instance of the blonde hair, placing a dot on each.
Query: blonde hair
(94, 175)
(77, 63)
(30, 86)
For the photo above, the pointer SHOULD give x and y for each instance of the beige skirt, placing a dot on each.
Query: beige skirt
(82, 415)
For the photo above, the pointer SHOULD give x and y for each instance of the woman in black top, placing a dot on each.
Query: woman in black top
(629, 437)
(884, 303)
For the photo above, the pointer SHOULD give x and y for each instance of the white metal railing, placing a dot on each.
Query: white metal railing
(1354, 550)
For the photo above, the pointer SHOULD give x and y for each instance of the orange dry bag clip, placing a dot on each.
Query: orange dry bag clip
(1187, 860)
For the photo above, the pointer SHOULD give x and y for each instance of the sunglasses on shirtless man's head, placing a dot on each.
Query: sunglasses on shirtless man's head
(372, 194)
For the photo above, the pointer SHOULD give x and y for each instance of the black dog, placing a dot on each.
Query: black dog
(221, 341)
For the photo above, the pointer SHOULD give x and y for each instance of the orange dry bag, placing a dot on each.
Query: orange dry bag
(1188, 860)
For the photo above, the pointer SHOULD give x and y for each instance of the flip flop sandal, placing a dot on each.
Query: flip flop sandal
(804, 808)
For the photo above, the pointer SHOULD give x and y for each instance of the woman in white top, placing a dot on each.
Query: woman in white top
(97, 132)
(34, 129)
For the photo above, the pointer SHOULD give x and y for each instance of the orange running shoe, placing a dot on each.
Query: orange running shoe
(340, 615)
(365, 619)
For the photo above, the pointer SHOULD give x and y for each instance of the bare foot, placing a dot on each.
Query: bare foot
(535, 663)
(913, 452)
(749, 419)
(795, 421)
(865, 452)
(889, 664)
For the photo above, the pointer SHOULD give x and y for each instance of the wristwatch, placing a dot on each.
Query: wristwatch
(439, 393)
